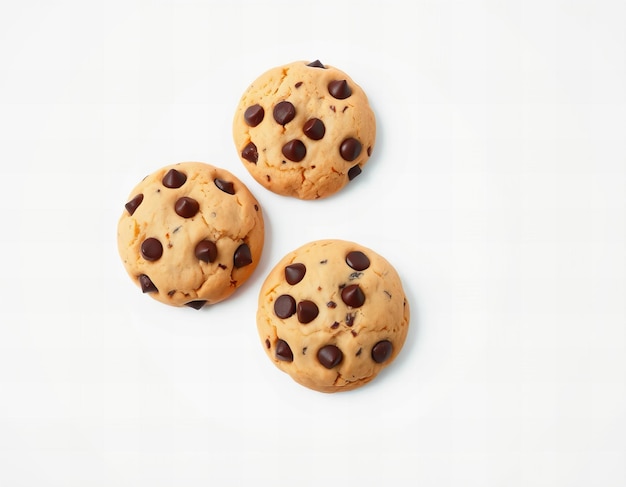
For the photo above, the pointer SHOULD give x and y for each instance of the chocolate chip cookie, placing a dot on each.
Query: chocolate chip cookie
(304, 129)
(190, 234)
(332, 314)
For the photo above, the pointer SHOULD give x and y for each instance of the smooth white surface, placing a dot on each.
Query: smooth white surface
(497, 189)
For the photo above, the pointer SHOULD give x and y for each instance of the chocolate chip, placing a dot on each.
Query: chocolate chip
(382, 351)
(186, 207)
(147, 286)
(225, 186)
(307, 311)
(284, 112)
(329, 356)
(254, 115)
(294, 273)
(331, 304)
(133, 204)
(174, 179)
(298, 84)
(206, 251)
(335, 325)
(243, 256)
(314, 129)
(339, 89)
(196, 304)
(353, 296)
(151, 249)
(267, 343)
(350, 319)
(284, 306)
(350, 149)
(283, 351)
(357, 260)
(294, 150)
(354, 172)
(250, 153)
(316, 64)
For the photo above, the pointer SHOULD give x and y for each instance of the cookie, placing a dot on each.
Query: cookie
(190, 234)
(332, 314)
(304, 130)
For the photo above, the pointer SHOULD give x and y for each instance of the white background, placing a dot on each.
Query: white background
(497, 189)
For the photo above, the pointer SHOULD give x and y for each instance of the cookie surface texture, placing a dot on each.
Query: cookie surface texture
(304, 130)
(190, 234)
(332, 314)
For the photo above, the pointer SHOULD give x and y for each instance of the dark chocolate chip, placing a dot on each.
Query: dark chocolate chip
(133, 204)
(357, 260)
(339, 89)
(316, 64)
(147, 286)
(243, 256)
(353, 296)
(294, 150)
(350, 319)
(284, 306)
(174, 179)
(294, 273)
(226, 186)
(196, 304)
(382, 351)
(267, 343)
(284, 112)
(206, 251)
(298, 84)
(254, 115)
(354, 172)
(151, 249)
(335, 325)
(329, 356)
(331, 304)
(250, 153)
(186, 207)
(314, 129)
(307, 311)
(350, 149)
(283, 351)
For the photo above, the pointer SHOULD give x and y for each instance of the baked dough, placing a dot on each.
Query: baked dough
(304, 130)
(190, 234)
(332, 314)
